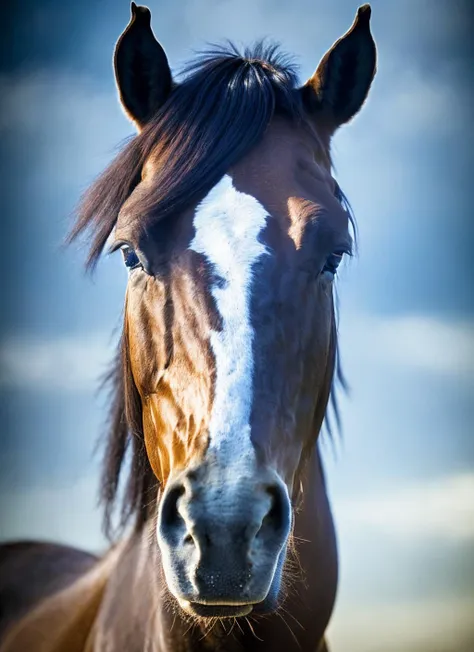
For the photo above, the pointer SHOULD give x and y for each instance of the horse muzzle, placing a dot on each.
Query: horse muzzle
(222, 539)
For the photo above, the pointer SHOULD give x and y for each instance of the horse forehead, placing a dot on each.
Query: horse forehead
(228, 224)
(289, 166)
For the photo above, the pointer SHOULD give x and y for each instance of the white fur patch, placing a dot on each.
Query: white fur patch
(228, 224)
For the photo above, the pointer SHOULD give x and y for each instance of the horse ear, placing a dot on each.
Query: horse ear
(142, 72)
(339, 87)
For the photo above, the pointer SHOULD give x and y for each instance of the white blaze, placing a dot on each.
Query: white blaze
(228, 224)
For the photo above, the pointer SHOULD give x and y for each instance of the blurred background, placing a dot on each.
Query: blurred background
(401, 479)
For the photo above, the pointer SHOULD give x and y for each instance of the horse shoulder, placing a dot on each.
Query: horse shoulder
(63, 621)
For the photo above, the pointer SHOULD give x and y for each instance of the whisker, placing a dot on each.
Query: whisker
(239, 626)
(234, 620)
(289, 629)
(253, 631)
(296, 538)
(288, 613)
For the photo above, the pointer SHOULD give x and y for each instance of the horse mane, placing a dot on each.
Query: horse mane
(211, 120)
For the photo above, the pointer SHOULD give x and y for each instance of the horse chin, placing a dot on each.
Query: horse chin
(268, 605)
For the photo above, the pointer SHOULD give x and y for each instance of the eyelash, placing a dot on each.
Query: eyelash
(332, 263)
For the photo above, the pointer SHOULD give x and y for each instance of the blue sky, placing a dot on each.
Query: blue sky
(402, 479)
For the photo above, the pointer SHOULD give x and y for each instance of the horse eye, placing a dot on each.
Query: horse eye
(130, 258)
(332, 263)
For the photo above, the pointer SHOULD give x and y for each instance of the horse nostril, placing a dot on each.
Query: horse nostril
(277, 518)
(170, 517)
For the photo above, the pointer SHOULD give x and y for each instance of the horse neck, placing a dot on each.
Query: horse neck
(136, 614)
(131, 606)
(315, 583)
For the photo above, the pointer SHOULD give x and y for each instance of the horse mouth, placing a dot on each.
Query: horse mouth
(216, 610)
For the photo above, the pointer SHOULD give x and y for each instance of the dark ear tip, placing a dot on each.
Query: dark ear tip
(141, 13)
(363, 14)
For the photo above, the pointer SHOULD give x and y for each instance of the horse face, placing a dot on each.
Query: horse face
(230, 329)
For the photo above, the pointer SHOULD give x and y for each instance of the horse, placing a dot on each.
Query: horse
(231, 226)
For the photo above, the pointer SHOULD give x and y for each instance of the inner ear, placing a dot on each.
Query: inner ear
(340, 85)
(142, 71)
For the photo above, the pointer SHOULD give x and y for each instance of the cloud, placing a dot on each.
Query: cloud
(442, 625)
(422, 342)
(70, 516)
(420, 106)
(438, 510)
(64, 364)
(414, 104)
(72, 122)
